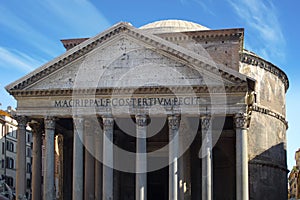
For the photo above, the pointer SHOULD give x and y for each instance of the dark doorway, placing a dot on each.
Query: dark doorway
(158, 184)
(224, 167)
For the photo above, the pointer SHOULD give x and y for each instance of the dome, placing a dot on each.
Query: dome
(166, 26)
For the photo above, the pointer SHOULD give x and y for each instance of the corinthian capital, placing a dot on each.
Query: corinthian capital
(174, 121)
(78, 120)
(108, 121)
(36, 127)
(241, 120)
(22, 120)
(141, 120)
(49, 122)
(205, 122)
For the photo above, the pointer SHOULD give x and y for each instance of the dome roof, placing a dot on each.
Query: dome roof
(165, 26)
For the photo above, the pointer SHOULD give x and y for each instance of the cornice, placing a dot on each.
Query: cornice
(61, 61)
(252, 59)
(271, 113)
(227, 34)
(88, 45)
(204, 35)
(241, 88)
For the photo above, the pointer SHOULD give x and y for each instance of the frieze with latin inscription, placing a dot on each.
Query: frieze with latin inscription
(132, 102)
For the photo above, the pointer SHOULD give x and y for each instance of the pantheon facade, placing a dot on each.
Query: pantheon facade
(170, 110)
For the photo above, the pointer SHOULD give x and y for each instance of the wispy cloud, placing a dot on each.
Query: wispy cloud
(206, 5)
(47, 21)
(79, 16)
(262, 18)
(18, 60)
(23, 31)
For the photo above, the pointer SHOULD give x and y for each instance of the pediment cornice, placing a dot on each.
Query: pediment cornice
(240, 88)
(156, 42)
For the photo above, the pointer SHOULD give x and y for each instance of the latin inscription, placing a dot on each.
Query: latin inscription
(132, 102)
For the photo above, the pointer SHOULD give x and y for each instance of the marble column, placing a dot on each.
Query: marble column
(49, 190)
(108, 124)
(89, 164)
(173, 121)
(36, 180)
(141, 158)
(21, 157)
(98, 164)
(77, 191)
(182, 164)
(242, 185)
(206, 148)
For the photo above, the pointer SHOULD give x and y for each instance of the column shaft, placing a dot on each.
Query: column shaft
(108, 123)
(141, 158)
(173, 156)
(182, 164)
(78, 159)
(48, 193)
(242, 185)
(36, 179)
(98, 180)
(98, 166)
(181, 174)
(21, 157)
(89, 176)
(89, 166)
(206, 158)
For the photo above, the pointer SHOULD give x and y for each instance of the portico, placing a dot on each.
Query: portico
(140, 117)
(103, 184)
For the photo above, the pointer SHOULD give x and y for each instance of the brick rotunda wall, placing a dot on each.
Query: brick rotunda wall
(267, 130)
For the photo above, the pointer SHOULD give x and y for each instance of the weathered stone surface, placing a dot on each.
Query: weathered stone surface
(266, 132)
(269, 88)
(267, 136)
(213, 44)
(267, 182)
(267, 157)
(123, 63)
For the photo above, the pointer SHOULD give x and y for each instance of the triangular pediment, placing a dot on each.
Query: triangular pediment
(124, 56)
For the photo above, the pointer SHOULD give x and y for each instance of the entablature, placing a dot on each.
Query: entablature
(232, 89)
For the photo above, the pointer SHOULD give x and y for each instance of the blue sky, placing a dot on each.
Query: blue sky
(30, 32)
